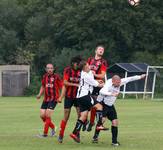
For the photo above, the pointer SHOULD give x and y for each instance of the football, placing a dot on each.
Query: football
(134, 2)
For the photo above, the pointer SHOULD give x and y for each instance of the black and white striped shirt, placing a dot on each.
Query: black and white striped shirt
(87, 82)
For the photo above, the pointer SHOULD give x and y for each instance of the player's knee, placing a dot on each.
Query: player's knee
(83, 117)
(42, 115)
(48, 115)
(115, 122)
(98, 106)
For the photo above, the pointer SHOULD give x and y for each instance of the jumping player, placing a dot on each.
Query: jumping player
(98, 65)
(86, 102)
(108, 96)
(51, 84)
(71, 79)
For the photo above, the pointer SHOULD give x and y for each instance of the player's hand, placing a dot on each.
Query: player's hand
(38, 96)
(115, 94)
(101, 85)
(100, 81)
(59, 100)
(143, 76)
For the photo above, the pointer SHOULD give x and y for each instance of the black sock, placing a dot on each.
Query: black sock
(99, 117)
(96, 134)
(114, 131)
(78, 126)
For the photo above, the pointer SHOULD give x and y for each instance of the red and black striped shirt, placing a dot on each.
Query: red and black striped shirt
(72, 76)
(52, 84)
(98, 65)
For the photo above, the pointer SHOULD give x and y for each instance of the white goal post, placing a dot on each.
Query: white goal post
(154, 81)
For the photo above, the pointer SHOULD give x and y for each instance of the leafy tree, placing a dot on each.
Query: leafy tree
(42, 31)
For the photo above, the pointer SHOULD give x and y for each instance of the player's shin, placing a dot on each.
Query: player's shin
(96, 134)
(93, 114)
(62, 128)
(78, 126)
(46, 126)
(114, 130)
(99, 117)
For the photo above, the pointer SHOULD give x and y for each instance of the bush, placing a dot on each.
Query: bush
(34, 86)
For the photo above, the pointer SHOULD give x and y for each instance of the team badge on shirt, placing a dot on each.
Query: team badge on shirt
(98, 63)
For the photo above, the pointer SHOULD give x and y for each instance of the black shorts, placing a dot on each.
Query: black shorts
(96, 91)
(49, 105)
(68, 103)
(86, 103)
(109, 112)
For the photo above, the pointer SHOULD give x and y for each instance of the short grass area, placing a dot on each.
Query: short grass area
(140, 126)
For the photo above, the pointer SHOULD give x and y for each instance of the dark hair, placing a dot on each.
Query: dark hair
(82, 64)
(76, 59)
(99, 46)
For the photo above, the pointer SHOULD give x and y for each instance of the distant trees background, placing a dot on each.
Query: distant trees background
(37, 32)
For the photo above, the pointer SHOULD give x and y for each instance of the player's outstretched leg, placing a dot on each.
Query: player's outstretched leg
(95, 137)
(99, 125)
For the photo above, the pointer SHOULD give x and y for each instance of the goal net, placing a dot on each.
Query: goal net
(153, 86)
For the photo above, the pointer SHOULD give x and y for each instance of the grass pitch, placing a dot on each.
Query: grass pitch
(140, 126)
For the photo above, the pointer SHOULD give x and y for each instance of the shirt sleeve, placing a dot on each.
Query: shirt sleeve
(103, 68)
(91, 81)
(104, 90)
(130, 79)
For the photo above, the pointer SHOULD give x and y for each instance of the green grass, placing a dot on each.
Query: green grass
(140, 126)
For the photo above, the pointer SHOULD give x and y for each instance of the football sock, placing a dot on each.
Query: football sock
(78, 126)
(46, 126)
(99, 117)
(62, 128)
(93, 115)
(51, 124)
(114, 131)
(96, 134)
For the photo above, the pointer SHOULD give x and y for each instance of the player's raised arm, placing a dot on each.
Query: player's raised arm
(133, 78)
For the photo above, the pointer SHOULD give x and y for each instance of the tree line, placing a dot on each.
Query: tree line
(36, 32)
